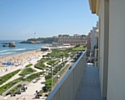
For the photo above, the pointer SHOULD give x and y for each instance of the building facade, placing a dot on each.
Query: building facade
(89, 42)
(111, 45)
(93, 39)
(72, 40)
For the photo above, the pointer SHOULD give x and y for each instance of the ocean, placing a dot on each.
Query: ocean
(20, 48)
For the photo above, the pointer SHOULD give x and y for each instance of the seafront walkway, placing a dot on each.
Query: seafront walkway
(29, 94)
(69, 63)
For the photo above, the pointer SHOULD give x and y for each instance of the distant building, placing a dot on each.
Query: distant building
(93, 38)
(55, 36)
(89, 42)
(55, 44)
(45, 49)
(72, 40)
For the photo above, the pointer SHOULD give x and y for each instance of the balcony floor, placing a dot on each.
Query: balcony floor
(89, 88)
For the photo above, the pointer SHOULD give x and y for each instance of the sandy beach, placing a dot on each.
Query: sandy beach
(19, 59)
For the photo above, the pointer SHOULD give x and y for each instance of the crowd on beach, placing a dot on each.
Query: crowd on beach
(19, 59)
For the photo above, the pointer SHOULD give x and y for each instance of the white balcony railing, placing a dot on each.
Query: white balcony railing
(68, 86)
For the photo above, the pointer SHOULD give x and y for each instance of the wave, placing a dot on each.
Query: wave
(3, 51)
(19, 49)
(6, 53)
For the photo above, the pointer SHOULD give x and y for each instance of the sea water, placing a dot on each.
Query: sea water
(20, 48)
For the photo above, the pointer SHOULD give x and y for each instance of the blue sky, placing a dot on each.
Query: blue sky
(20, 19)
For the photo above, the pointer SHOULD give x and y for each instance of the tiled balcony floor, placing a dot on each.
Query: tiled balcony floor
(89, 88)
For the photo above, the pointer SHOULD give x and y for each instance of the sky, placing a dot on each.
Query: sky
(20, 19)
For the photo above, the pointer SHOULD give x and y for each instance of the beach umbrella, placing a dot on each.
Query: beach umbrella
(4, 64)
(8, 63)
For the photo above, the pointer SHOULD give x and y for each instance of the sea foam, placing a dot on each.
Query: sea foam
(3, 51)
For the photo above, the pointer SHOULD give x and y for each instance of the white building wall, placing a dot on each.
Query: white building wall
(97, 30)
(112, 48)
(101, 45)
(116, 73)
(93, 38)
(104, 44)
(72, 40)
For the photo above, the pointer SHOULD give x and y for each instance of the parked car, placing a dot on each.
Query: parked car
(36, 97)
(41, 75)
(24, 77)
(35, 80)
(46, 95)
(42, 82)
(44, 89)
(38, 78)
(12, 94)
(70, 67)
(23, 89)
(8, 93)
(18, 92)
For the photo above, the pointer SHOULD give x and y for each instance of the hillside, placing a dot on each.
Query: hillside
(40, 40)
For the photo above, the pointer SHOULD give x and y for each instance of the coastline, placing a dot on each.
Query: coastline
(12, 54)
(20, 48)
(20, 60)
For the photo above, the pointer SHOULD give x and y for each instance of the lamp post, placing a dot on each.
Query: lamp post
(52, 74)
(34, 35)
(62, 58)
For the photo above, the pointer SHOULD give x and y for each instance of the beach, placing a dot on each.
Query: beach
(19, 60)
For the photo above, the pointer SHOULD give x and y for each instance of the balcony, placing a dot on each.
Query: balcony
(81, 82)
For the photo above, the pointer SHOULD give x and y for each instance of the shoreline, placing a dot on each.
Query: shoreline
(17, 53)
(20, 60)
